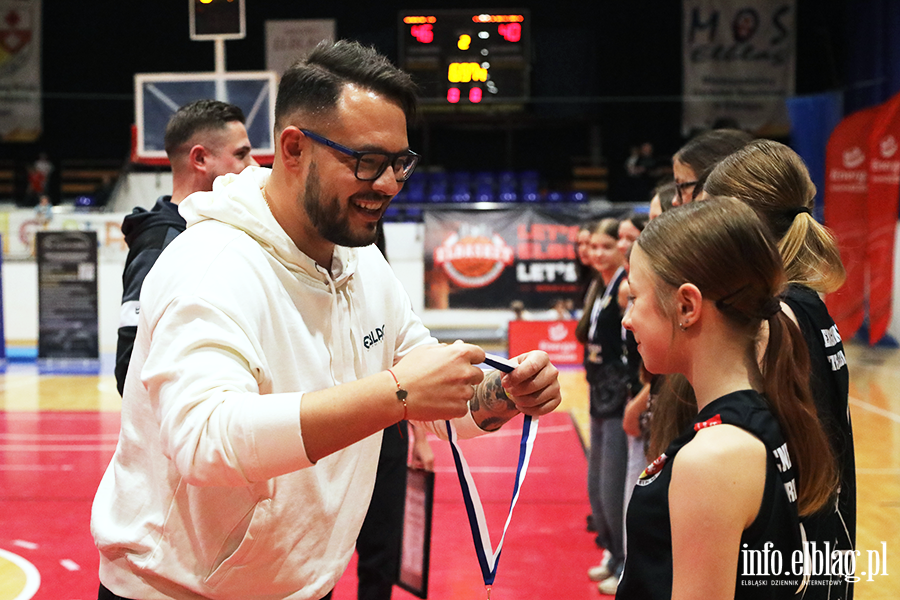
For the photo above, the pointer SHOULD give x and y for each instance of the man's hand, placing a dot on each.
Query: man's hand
(440, 380)
(421, 456)
(534, 385)
(531, 388)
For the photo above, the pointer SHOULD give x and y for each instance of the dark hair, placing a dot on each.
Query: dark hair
(723, 248)
(638, 219)
(607, 226)
(703, 152)
(314, 83)
(666, 192)
(773, 180)
(198, 116)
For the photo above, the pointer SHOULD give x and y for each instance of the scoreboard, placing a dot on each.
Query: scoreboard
(467, 57)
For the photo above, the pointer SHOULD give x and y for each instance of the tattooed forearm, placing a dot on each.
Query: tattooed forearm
(490, 405)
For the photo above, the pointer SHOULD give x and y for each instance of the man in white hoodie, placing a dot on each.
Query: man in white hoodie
(274, 345)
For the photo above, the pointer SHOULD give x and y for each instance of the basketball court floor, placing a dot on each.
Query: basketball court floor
(57, 434)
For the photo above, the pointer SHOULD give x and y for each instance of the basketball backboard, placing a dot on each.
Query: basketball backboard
(158, 95)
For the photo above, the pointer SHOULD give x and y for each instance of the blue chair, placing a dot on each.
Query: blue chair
(414, 189)
(484, 187)
(506, 186)
(554, 196)
(460, 187)
(529, 184)
(437, 187)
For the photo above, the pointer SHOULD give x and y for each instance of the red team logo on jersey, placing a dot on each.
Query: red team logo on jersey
(652, 470)
(716, 420)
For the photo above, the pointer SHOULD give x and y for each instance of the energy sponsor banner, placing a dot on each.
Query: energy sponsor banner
(20, 70)
(67, 300)
(488, 259)
(884, 188)
(738, 61)
(556, 338)
(846, 198)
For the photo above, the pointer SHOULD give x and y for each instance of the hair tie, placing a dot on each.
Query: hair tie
(771, 308)
(793, 212)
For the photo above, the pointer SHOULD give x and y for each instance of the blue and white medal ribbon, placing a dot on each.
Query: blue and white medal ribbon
(488, 558)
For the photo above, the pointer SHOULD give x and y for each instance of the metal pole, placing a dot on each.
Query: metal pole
(221, 91)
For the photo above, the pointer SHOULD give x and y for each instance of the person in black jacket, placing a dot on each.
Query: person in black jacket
(204, 139)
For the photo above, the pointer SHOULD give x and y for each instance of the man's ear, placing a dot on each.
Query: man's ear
(198, 157)
(688, 304)
(291, 143)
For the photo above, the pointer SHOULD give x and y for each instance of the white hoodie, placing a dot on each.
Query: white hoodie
(210, 493)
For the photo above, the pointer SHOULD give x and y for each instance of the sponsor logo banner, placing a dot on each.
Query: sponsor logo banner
(556, 338)
(846, 196)
(488, 259)
(738, 61)
(884, 188)
(20, 70)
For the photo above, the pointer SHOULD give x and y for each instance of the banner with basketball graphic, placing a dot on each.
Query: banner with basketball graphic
(488, 259)
(884, 189)
(846, 199)
(20, 70)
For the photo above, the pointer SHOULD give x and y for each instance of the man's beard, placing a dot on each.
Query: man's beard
(325, 215)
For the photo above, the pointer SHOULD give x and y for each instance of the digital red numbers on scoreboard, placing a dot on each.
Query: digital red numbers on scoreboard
(467, 57)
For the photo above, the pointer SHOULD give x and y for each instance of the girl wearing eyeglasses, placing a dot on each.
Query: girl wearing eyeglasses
(692, 164)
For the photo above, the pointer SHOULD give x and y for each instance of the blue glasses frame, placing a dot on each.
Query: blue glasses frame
(402, 163)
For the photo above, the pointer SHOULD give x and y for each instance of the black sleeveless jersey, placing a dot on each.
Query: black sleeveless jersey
(605, 362)
(648, 564)
(604, 343)
(829, 381)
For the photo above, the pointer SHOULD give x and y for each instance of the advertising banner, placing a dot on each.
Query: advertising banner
(556, 338)
(289, 40)
(884, 188)
(846, 198)
(488, 259)
(738, 61)
(67, 301)
(20, 70)
(18, 229)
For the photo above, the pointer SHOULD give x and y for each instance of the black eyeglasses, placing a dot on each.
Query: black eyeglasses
(370, 165)
(680, 187)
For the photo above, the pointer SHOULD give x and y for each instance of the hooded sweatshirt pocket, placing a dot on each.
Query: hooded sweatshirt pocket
(255, 528)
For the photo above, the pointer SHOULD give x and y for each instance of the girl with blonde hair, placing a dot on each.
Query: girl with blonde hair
(772, 179)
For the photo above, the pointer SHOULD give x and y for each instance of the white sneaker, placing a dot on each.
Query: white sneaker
(601, 571)
(609, 585)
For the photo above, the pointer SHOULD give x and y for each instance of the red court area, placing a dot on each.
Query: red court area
(547, 550)
(51, 463)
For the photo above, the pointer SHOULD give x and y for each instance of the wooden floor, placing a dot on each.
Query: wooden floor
(875, 408)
